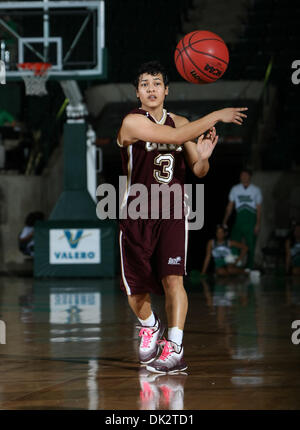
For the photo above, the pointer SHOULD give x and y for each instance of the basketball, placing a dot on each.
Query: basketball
(201, 57)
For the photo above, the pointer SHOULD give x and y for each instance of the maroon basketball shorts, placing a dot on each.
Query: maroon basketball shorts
(151, 250)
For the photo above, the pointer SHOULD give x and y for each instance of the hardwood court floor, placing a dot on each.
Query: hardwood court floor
(71, 344)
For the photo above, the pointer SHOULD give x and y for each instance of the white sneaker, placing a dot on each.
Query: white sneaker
(150, 336)
(170, 360)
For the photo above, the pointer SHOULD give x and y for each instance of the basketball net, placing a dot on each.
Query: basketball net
(35, 80)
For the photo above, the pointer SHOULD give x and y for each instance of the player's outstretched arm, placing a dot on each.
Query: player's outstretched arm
(138, 127)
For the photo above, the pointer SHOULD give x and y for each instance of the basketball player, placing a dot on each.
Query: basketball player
(220, 249)
(247, 200)
(153, 145)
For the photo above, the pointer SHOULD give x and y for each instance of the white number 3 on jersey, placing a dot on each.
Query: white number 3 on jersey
(165, 174)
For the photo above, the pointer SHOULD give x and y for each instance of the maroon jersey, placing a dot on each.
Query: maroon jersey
(150, 163)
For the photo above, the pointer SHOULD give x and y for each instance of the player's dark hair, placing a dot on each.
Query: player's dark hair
(222, 228)
(152, 68)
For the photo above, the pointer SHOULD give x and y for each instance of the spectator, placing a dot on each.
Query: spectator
(26, 240)
(292, 251)
(220, 249)
(247, 199)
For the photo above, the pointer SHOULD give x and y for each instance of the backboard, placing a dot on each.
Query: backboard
(67, 34)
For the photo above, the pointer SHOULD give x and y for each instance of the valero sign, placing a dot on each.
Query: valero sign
(75, 246)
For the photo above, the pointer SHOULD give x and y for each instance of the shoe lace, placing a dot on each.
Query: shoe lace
(146, 335)
(167, 349)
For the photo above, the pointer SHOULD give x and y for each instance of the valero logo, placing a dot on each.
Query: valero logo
(73, 242)
(74, 246)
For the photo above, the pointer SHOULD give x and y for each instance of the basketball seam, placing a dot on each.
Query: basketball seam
(209, 55)
(183, 66)
(195, 64)
(219, 39)
(209, 38)
(180, 55)
(180, 52)
(206, 53)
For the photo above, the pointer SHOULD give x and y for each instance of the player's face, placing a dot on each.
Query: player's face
(151, 90)
(245, 178)
(220, 234)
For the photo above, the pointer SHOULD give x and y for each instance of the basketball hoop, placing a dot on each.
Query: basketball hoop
(35, 77)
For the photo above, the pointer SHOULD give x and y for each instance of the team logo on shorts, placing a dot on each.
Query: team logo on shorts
(174, 261)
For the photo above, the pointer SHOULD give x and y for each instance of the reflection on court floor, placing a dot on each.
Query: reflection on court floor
(161, 391)
(72, 344)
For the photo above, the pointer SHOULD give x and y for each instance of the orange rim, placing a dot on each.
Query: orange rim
(39, 69)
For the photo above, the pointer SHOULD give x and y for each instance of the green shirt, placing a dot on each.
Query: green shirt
(5, 117)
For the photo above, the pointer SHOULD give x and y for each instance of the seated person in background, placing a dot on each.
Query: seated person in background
(292, 251)
(26, 241)
(220, 249)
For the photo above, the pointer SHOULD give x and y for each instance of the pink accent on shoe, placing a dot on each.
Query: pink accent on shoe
(146, 335)
(166, 350)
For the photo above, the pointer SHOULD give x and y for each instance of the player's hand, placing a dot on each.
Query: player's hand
(234, 115)
(256, 229)
(206, 143)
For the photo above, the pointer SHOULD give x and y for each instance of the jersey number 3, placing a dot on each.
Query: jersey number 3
(165, 174)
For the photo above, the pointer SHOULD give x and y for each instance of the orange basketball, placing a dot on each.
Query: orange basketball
(201, 57)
